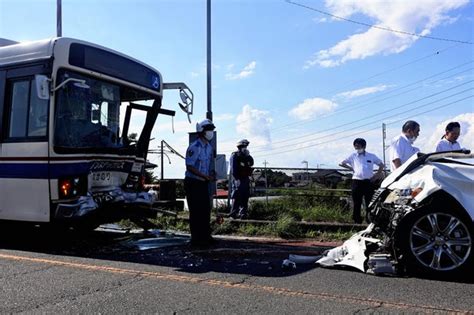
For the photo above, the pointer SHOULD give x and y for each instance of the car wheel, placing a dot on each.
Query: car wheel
(437, 241)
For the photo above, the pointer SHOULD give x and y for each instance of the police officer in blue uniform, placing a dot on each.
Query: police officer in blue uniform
(196, 184)
(241, 163)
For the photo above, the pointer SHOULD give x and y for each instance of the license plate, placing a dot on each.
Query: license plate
(101, 178)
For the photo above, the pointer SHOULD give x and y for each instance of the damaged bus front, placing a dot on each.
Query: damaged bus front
(66, 110)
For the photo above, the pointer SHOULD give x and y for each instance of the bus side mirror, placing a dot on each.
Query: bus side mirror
(42, 86)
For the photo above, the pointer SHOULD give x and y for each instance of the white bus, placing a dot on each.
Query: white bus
(65, 111)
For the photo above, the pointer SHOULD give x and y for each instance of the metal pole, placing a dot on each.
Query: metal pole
(162, 164)
(59, 31)
(266, 182)
(209, 64)
(383, 143)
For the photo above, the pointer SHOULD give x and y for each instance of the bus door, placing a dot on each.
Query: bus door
(24, 163)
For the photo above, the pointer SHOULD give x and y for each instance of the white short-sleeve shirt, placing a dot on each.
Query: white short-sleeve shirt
(446, 145)
(401, 149)
(362, 164)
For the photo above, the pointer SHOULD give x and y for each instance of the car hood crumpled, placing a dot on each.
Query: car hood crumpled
(455, 179)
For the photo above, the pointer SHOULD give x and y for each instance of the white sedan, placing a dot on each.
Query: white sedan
(422, 220)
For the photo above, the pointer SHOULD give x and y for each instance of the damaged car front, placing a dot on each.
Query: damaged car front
(422, 219)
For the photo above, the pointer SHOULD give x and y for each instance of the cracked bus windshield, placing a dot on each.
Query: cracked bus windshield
(90, 115)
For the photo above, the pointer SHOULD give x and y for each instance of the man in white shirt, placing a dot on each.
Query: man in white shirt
(362, 164)
(448, 141)
(402, 146)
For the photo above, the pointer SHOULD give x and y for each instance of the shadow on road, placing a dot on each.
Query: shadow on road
(232, 256)
(162, 249)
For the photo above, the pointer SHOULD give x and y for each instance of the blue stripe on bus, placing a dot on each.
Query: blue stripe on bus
(45, 170)
(24, 170)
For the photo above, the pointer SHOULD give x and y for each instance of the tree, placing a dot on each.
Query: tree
(277, 178)
(150, 178)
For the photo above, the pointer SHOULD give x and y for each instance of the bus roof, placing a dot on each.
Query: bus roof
(24, 52)
(12, 52)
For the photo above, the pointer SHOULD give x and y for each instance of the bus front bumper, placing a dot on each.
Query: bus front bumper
(115, 200)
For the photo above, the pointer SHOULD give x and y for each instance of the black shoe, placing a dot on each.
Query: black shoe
(199, 243)
(212, 241)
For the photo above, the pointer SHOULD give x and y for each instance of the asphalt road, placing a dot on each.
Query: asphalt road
(106, 272)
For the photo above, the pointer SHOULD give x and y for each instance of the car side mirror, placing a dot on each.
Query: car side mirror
(42, 86)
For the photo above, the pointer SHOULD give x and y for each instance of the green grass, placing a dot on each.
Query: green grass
(301, 208)
(285, 212)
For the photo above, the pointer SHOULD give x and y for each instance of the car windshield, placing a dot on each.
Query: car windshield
(88, 115)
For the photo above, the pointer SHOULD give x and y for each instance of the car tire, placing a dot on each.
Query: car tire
(436, 240)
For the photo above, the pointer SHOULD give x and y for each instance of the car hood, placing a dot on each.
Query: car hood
(445, 174)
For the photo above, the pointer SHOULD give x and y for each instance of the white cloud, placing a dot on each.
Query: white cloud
(312, 107)
(179, 126)
(247, 71)
(419, 17)
(223, 117)
(320, 20)
(194, 74)
(254, 124)
(362, 92)
(466, 139)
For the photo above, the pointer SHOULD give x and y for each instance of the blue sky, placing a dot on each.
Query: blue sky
(298, 84)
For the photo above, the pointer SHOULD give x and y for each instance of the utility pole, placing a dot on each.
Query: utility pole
(307, 174)
(384, 135)
(209, 64)
(266, 182)
(59, 31)
(162, 164)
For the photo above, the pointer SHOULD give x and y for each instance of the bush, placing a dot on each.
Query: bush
(287, 227)
(301, 208)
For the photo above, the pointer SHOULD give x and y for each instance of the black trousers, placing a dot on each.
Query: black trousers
(361, 189)
(240, 197)
(199, 204)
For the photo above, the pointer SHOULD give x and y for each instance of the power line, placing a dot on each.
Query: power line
(363, 104)
(376, 100)
(384, 112)
(379, 27)
(374, 115)
(367, 130)
(376, 121)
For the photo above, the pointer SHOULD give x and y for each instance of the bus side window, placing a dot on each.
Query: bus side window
(19, 109)
(38, 116)
(28, 114)
(2, 101)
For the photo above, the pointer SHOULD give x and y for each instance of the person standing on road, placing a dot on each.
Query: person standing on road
(196, 184)
(449, 141)
(402, 147)
(241, 163)
(362, 164)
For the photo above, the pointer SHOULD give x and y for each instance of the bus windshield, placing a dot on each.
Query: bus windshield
(88, 115)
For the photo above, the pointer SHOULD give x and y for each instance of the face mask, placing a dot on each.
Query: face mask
(412, 139)
(209, 135)
(360, 151)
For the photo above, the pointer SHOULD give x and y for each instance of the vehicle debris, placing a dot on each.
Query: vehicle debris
(288, 265)
(301, 259)
(422, 220)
